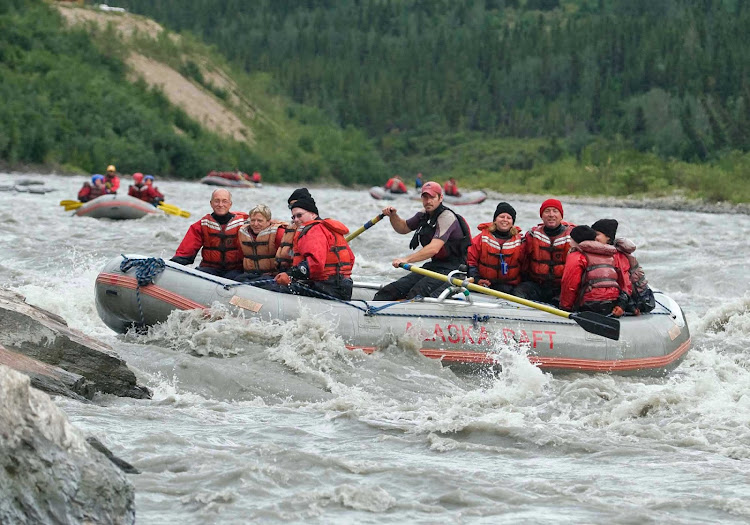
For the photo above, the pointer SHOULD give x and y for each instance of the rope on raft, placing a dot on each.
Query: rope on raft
(145, 272)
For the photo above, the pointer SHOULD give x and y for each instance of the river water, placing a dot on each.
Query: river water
(279, 422)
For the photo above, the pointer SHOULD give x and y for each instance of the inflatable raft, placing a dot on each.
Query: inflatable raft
(230, 179)
(470, 197)
(117, 207)
(459, 332)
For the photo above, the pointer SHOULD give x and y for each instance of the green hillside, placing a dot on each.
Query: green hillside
(614, 97)
(70, 102)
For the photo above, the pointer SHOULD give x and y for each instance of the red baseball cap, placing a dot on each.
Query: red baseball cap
(432, 188)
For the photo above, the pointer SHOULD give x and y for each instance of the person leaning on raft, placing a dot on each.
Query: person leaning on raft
(322, 260)
(92, 190)
(642, 297)
(546, 247)
(261, 240)
(594, 276)
(496, 255)
(444, 237)
(215, 236)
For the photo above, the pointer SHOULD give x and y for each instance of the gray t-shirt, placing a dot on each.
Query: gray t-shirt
(447, 227)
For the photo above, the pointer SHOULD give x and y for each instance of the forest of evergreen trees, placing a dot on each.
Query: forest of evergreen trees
(68, 103)
(669, 76)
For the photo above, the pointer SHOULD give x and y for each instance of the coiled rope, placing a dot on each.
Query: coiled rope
(145, 272)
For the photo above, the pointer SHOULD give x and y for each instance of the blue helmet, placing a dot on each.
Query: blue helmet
(94, 178)
(148, 177)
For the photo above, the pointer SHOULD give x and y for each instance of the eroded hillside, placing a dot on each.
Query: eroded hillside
(231, 117)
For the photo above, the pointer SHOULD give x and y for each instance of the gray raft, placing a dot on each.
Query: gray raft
(456, 331)
(116, 207)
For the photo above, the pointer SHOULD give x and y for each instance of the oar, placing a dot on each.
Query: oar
(364, 227)
(74, 205)
(69, 202)
(173, 210)
(591, 322)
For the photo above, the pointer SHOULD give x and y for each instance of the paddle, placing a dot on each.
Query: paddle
(74, 205)
(591, 322)
(69, 202)
(173, 210)
(364, 227)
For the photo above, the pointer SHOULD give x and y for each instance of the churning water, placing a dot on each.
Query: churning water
(279, 422)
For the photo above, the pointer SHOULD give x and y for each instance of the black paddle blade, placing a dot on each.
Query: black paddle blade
(598, 324)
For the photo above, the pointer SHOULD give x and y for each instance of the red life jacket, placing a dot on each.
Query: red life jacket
(600, 272)
(141, 191)
(637, 275)
(395, 185)
(339, 259)
(90, 191)
(451, 188)
(285, 251)
(221, 247)
(493, 252)
(259, 250)
(547, 254)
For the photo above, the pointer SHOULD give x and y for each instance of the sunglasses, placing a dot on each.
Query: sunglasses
(298, 215)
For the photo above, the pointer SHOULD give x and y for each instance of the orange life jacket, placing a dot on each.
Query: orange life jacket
(339, 259)
(285, 251)
(259, 250)
(494, 252)
(547, 254)
(221, 247)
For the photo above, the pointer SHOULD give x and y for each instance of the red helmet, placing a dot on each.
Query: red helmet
(138, 177)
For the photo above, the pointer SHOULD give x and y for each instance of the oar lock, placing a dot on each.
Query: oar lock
(454, 289)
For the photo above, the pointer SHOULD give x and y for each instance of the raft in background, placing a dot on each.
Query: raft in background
(116, 207)
(469, 197)
(457, 332)
(230, 179)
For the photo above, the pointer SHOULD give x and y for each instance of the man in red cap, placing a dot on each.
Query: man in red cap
(444, 237)
(546, 249)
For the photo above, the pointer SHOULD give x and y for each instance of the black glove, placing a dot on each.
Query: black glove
(301, 271)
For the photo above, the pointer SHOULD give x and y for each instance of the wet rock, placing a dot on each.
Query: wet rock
(45, 337)
(47, 378)
(48, 471)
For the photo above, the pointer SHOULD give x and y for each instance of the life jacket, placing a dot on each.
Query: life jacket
(221, 247)
(285, 251)
(637, 275)
(547, 254)
(493, 252)
(395, 185)
(140, 191)
(90, 192)
(600, 272)
(451, 188)
(259, 250)
(111, 183)
(453, 252)
(339, 259)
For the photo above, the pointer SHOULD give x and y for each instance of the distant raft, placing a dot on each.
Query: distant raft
(230, 179)
(134, 290)
(116, 207)
(469, 197)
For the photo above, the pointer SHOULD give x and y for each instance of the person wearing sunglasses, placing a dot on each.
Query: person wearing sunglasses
(322, 260)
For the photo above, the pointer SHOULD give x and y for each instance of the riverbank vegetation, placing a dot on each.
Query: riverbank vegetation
(590, 97)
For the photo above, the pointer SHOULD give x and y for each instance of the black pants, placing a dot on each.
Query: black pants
(340, 288)
(538, 293)
(226, 274)
(414, 284)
